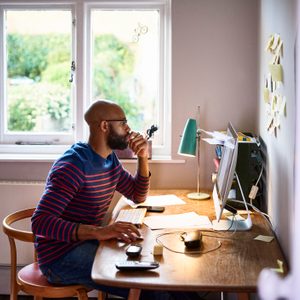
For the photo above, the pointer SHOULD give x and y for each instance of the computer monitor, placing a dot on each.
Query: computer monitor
(223, 184)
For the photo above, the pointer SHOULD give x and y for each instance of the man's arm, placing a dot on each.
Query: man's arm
(62, 185)
(143, 166)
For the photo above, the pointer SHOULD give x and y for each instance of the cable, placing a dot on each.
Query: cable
(254, 188)
(266, 216)
(259, 176)
(232, 222)
(182, 252)
(252, 196)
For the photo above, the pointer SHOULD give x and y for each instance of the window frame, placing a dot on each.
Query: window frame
(81, 54)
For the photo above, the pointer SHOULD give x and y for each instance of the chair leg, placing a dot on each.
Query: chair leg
(82, 294)
(38, 298)
(14, 290)
(101, 295)
(13, 295)
(134, 294)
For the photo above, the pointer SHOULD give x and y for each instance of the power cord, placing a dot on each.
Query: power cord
(254, 188)
(160, 242)
(252, 196)
(265, 216)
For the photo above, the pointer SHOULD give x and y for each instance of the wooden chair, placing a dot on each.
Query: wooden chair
(30, 279)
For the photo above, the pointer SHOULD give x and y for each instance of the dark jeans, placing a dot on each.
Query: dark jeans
(75, 268)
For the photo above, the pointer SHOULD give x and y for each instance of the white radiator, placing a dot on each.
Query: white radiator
(16, 195)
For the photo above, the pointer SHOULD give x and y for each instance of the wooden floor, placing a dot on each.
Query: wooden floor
(20, 297)
(202, 296)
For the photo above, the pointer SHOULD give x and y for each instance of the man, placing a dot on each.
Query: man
(78, 192)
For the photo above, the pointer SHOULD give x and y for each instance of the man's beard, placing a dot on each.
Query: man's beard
(116, 141)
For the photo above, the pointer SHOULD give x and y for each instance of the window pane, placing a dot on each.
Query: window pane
(38, 90)
(125, 62)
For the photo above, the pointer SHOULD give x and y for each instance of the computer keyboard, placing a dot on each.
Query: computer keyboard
(132, 215)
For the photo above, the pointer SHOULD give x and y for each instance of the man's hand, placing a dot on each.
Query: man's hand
(124, 231)
(138, 144)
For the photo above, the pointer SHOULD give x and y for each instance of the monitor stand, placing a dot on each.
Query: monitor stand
(234, 224)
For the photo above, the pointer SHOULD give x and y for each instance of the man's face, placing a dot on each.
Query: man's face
(115, 140)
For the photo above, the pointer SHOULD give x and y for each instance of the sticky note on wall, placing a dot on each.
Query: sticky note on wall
(276, 72)
(266, 95)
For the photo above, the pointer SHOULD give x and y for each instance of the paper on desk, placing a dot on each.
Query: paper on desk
(217, 137)
(185, 220)
(161, 200)
(213, 141)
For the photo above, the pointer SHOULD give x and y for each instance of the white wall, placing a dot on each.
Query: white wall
(280, 17)
(284, 196)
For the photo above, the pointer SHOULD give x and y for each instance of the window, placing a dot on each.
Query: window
(37, 104)
(58, 58)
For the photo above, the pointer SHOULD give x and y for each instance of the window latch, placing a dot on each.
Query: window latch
(73, 68)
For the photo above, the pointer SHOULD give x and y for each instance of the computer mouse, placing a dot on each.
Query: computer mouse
(192, 239)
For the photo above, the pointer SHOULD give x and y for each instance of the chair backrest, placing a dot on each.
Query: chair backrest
(18, 234)
(36, 289)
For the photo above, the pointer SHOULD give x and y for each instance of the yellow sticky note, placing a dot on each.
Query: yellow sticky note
(269, 123)
(264, 238)
(282, 106)
(273, 103)
(280, 267)
(270, 42)
(266, 95)
(276, 42)
(276, 72)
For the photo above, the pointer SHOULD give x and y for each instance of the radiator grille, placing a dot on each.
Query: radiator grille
(16, 195)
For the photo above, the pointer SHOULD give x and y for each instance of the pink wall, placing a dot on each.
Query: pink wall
(214, 65)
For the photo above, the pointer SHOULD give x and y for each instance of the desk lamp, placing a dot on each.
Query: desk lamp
(190, 142)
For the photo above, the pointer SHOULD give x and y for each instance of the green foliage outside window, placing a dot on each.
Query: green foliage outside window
(113, 66)
(27, 55)
(30, 106)
(22, 115)
(45, 59)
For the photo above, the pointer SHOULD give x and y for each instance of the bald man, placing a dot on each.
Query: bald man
(78, 192)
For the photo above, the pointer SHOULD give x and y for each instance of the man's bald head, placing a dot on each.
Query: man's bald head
(102, 110)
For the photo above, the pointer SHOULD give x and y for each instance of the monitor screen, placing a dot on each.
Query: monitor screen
(227, 167)
(223, 184)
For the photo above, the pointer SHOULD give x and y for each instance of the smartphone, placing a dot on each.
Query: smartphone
(137, 265)
(134, 250)
(154, 208)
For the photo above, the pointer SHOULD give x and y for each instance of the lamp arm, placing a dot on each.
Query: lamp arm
(198, 137)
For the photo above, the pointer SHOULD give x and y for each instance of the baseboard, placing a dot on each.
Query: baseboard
(5, 280)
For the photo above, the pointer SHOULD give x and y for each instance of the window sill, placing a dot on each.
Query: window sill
(50, 158)
(44, 153)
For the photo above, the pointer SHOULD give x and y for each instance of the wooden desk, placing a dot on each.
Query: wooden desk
(234, 267)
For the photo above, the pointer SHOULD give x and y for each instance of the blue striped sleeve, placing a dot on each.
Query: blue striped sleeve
(62, 185)
(135, 187)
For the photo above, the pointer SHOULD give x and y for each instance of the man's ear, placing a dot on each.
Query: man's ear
(104, 126)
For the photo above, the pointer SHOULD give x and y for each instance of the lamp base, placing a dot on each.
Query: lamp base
(198, 196)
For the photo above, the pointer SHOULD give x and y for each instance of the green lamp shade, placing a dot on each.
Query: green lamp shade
(188, 142)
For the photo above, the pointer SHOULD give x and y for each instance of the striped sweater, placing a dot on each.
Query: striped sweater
(79, 189)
